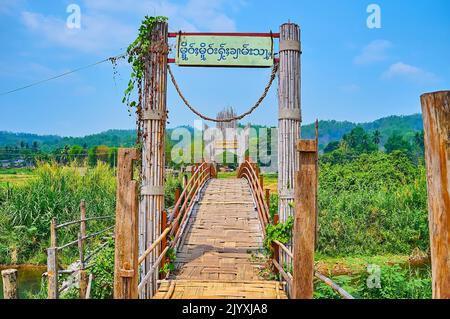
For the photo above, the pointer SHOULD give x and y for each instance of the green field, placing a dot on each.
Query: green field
(15, 176)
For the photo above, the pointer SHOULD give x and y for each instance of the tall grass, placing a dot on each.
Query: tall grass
(55, 192)
(375, 204)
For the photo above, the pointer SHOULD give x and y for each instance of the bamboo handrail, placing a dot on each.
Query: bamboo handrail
(154, 245)
(330, 283)
(283, 247)
(286, 276)
(152, 270)
(247, 171)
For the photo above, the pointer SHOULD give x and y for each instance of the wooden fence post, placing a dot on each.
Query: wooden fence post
(52, 263)
(305, 221)
(82, 279)
(126, 231)
(436, 122)
(10, 290)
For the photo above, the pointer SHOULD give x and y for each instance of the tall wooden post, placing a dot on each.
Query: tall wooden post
(153, 117)
(126, 230)
(10, 290)
(289, 118)
(52, 263)
(83, 278)
(436, 122)
(305, 221)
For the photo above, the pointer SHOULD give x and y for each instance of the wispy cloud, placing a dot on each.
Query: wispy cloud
(8, 6)
(375, 51)
(108, 25)
(350, 88)
(194, 15)
(98, 33)
(409, 72)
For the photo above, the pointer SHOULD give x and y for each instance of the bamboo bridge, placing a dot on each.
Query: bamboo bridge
(213, 238)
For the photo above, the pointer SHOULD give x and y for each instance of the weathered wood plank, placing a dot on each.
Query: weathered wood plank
(126, 231)
(436, 122)
(305, 221)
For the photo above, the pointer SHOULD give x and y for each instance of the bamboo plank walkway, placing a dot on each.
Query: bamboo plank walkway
(220, 255)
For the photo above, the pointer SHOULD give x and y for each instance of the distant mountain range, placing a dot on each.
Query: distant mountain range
(328, 131)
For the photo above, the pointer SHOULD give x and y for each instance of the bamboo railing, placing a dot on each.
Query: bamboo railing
(53, 270)
(251, 172)
(173, 225)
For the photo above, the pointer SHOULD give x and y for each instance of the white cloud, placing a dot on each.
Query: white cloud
(194, 15)
(409, 72)
(97, 33)
(110, 25)
(375, 51)
(8, 6)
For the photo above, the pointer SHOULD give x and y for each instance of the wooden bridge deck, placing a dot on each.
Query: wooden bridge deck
(220, 255)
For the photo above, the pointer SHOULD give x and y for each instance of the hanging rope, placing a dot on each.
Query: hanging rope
(235, 118)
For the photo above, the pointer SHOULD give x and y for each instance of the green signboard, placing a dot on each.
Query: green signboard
(226, 51)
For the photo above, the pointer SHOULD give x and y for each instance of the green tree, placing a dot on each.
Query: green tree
(332, 146)
(359, 141)
(376, 138)
(397, 142)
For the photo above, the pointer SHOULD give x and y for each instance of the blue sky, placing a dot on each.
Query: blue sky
(349, 72)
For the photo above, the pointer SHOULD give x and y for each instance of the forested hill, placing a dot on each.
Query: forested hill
(328, 131)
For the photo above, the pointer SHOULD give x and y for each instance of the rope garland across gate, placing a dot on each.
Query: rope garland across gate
(235, 118)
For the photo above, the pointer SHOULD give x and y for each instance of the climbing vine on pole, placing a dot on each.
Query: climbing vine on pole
(138, 54)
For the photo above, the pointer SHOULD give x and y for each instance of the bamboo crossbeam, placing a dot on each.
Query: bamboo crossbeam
(98, 233)
(154, 245)
(284, 248)
(330, 283)
(67, 245)
(286, 276)
(84, 220)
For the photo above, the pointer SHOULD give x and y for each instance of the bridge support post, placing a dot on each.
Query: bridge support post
(126, 231)
(305, 221)
(153, 123)
(289, 118)
(436, 122)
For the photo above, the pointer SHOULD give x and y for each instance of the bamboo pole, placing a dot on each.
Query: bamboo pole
(126, 229)
(305, 220)
(52, 263)
(436, 122)
(82, 278)
(10, 290)
(289, 118)
(154, 116)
